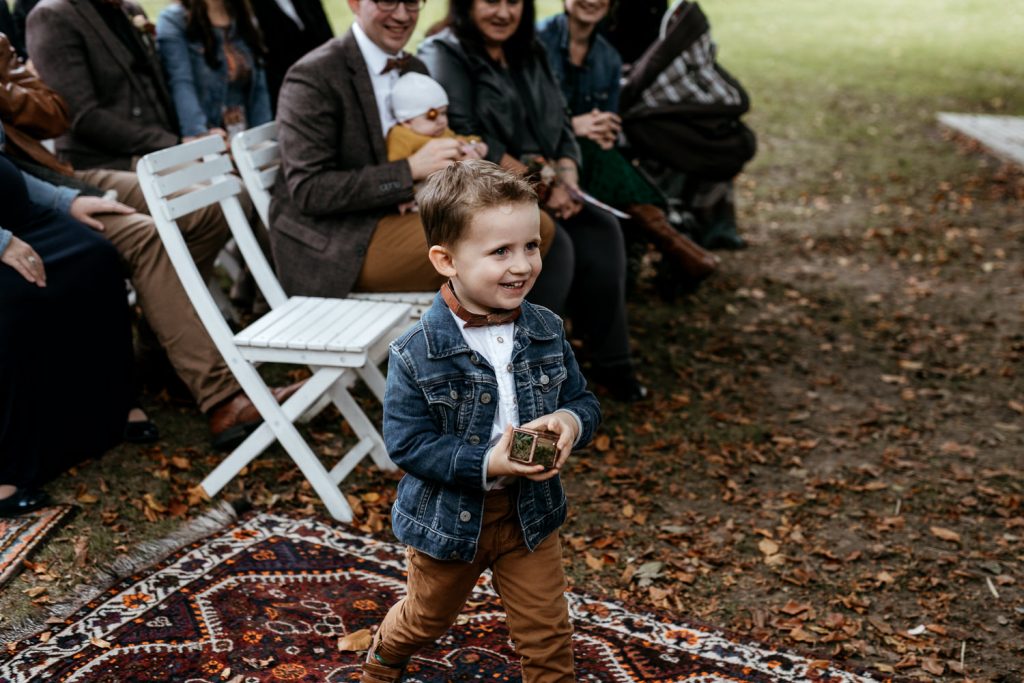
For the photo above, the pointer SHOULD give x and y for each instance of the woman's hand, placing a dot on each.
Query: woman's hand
(24, 259)
(510, 163)
(600, 126)
(561, 203)
(84, 208)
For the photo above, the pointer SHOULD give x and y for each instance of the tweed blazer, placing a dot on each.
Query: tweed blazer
(118, 110)
(336, 182)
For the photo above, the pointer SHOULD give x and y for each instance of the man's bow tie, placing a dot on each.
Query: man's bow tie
(399, 62)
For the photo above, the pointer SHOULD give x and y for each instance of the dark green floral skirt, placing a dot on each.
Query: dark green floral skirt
(608, 175)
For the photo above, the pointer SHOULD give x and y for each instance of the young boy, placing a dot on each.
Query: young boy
(481, 361)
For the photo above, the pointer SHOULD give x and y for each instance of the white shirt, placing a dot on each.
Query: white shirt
(288, 7)
(376, 59)
(494, 343)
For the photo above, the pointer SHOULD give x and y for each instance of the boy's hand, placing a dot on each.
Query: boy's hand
(562, 423)
(499, 464)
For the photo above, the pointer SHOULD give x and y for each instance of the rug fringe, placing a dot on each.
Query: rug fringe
(146, 554)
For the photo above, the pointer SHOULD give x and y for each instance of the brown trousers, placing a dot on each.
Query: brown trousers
(396, 258)
(531, 586)
(160, 294)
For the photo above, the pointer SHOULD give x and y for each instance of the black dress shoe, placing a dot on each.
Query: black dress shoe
(141, 432)
(620, 381)
(22, 501)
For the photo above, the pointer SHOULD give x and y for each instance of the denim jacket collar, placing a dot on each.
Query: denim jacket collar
(444, 338)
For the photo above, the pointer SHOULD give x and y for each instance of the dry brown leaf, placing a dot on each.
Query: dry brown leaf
(768, 546)
(357, 640)
(603, 442)
(593, 562)
(933, 666)
(86, 498)
(945, 534)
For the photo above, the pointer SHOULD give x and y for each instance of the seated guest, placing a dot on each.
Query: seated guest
(500, 87)
(290, 28)
(212, 55)
(31, 111)
(335, 223)
(65, 343)
(588, 70)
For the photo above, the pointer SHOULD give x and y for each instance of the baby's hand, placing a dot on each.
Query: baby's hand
(407, 207)
(562, 423)
(475, 150)
(500, 465)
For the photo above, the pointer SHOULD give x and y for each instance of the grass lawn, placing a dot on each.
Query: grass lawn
(834, 453)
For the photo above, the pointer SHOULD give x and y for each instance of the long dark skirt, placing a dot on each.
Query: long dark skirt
(65, 349)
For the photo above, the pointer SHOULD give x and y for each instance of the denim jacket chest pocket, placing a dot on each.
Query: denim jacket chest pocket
(547, 378)
(451, 404)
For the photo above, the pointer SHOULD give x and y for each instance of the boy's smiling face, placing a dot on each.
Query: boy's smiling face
(495, 263)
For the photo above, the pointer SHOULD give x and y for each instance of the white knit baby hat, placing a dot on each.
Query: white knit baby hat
(415, 94)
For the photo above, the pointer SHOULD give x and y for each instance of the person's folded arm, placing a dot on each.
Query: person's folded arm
(172, 45)
(62, 59)
(308, 131)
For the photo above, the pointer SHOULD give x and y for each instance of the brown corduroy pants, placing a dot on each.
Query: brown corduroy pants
(531, 586)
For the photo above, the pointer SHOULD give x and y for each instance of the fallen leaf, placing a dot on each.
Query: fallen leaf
(768, 547)
(945, 534)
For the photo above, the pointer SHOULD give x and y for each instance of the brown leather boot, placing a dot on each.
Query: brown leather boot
(376, 671)
(695, 261)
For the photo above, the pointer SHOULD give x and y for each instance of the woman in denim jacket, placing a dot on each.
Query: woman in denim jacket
(212, 53)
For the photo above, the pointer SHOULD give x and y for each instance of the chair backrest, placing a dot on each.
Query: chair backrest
(189, 177)
(258, 158)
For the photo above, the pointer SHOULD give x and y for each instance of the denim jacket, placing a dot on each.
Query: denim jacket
(598, 85)
(199, 92)
(438, 411)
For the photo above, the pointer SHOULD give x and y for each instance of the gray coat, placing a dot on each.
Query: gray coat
(118, 112)
(336, 181)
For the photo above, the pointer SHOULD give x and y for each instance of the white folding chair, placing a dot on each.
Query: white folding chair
(334, 337)
(258, 157)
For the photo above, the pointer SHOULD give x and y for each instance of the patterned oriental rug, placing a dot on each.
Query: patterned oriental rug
(268, 598)
(20, 535)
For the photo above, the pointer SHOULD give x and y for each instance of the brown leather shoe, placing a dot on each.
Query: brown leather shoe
(237, 417)
(695, 261)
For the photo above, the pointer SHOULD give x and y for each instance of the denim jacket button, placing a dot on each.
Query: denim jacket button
(474, 439)
(454, 555)
(485, 398)
(454, 394)
(474, 359)
(544, 379)
(508, 367)
(465, 516)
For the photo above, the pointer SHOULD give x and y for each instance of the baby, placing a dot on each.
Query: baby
(420, 105)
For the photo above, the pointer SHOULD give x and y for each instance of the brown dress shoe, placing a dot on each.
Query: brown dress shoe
(695, 261)
(237, 417)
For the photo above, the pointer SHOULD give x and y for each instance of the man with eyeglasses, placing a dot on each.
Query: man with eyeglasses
(335, 226)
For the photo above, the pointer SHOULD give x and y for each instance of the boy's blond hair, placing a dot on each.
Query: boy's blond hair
(451, 197)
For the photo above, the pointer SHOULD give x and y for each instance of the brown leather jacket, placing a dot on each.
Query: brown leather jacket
(30, 111)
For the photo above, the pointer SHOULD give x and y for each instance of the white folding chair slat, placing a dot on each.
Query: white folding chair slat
(267, 177)
(187, 152)
(192, 175)
(224, 187)
(279, 321)
(264, 156)
(317, 337)
(380, 321)
(346, 337)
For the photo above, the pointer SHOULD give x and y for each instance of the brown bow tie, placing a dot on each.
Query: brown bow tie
(400, 62)
(476, 319)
